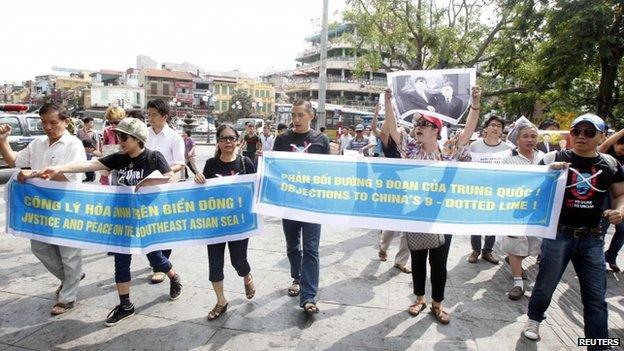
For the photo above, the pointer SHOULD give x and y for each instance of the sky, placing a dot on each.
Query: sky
(253, 36)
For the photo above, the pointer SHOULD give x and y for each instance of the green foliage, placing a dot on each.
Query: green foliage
(232, 114)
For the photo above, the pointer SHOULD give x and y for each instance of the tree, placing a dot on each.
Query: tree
(239, 98)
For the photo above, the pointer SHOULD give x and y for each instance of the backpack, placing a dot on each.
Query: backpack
(555, 156)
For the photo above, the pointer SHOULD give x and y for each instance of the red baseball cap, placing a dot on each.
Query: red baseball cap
(436, 121)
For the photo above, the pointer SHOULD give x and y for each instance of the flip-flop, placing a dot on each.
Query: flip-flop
(158, 277)
(250, 289)
(310, 308)
(294, 289)
(60, 308)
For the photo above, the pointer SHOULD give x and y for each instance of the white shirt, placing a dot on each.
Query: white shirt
(267, 142)
(345, 139)
(39, 154)
(169, 143)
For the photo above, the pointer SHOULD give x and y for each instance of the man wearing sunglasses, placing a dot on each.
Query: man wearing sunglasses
(579, 238)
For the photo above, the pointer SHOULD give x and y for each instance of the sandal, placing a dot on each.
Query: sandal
(403, 269)
(310, 308)
(416, 308)
(217, 311)
(158, 277)
(58, 290)
(383, 255)
(250, 289)
(441, 315)
(60, 308)
(294, 289)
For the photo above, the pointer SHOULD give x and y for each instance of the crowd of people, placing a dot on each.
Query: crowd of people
(129, 151)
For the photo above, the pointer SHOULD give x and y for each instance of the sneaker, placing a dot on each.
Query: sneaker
(516, 293)
(175, 288)
(474, 256)
(531, 330)
(489, 257)
(118, 314)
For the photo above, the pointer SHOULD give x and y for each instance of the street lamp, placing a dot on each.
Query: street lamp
(237, 105)
(174, 103)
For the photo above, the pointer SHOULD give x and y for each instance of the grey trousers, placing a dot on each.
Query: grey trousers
(384, 243)
(63, 262)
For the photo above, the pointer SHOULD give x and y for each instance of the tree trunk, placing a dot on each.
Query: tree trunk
(608, 75)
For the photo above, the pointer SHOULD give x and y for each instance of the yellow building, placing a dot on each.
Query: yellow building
(262, 94)
(71, 83)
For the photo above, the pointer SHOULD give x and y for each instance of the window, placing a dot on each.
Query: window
(153, 88)
(138, 99)
(257, 93)
(16, 128)
(165, 88)
(224, 105)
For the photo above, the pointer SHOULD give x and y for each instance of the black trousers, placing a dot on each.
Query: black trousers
(238, 257)
(437, 260)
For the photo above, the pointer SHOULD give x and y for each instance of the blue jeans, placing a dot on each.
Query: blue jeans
(122, 265)
(587, 256)
(304, 264)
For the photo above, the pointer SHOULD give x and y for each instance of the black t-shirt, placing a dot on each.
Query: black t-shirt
(589, 179)
(391, 150)
(312, 142)
(252, 142)
(216, 168)
(132, 170)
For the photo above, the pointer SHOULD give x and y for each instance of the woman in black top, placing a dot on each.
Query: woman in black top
(227, 163)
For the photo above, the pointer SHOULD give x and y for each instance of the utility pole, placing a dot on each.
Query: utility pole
(323, 69)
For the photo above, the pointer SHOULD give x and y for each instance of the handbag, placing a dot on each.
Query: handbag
(424, 241)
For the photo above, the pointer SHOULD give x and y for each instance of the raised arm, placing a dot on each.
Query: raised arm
(72, 167)
(375, 118)
(389, 128)
(604, 147)
(473, 118)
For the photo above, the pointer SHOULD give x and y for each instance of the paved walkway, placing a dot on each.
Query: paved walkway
(363, 304)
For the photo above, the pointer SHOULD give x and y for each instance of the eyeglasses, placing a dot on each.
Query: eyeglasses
(224, 139)
(425, 123)
(358, 131)
(122, 136)
(590, 133)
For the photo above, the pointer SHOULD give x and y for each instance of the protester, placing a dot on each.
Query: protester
(267, 139)
(250, 142)
(323, 130)
(345, 138)
(165, 140)
(134, 163)
(579, 238)
(378, 152)
(517, 248)
(614, 146)
(189, 153)
(227, 162)
(360, 142)
(281, 128)
(490, 149)
(426, 147)
(55, 148)
(110, 145)
(91, 143)
(302, 238)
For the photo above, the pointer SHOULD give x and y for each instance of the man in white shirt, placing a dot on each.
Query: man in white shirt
(490, 149)
(345, 138)
(57, 147)
(267, 139)
(169, 143)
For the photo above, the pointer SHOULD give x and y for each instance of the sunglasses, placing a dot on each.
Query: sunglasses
(425, 123)
(122, 136)
(229, 138)
(589, 133)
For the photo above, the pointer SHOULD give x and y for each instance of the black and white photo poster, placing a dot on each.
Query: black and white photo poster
(443, 93)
